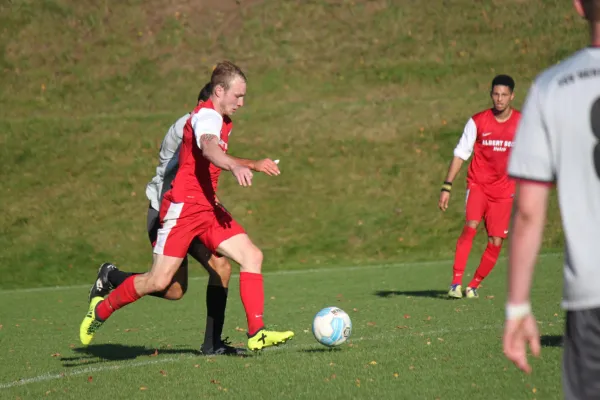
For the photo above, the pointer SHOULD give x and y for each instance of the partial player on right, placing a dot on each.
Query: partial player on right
(558, 144)
(488, 135)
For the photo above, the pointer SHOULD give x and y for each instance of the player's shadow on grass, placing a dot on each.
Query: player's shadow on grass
(117, 352)
(551, 340)
(435, 294)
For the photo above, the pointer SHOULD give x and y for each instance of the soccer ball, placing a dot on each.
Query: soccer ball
(331, 326)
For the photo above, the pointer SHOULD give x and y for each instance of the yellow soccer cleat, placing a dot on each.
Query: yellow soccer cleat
(455, 291)
(472, 293)
(90, 324)
(264, 338)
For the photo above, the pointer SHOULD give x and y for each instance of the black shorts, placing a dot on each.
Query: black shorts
(581, 359)
(197, 249)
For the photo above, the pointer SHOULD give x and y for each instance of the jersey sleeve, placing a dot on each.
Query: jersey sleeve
(206, 122)
(531, 154)
(465, 145)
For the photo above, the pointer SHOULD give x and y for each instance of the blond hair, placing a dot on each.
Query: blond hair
(223, 73)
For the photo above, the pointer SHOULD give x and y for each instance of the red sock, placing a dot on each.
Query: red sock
(253, 299)
(463, 248)
(488, 261)
(124, 294)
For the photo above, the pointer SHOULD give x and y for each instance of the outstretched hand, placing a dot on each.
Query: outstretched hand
(267, 166)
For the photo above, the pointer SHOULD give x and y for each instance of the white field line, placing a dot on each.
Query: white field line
(275, 273)
(51, 376)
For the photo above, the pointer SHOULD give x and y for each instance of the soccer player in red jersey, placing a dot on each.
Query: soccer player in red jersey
(488, 135)
(189, 211)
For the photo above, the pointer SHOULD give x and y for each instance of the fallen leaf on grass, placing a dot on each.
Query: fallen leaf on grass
(371, 324)
(55, 355)
(373, 362)
(534, 390)
(489, 297)
(155, 353)
(237, 328)
(90, 379)
(411, 367)
(401, 327)
(406, 316)
(214, 381)
(440, 339)
(396, 374)
(196, 365)
(163, 373)
(143, 388)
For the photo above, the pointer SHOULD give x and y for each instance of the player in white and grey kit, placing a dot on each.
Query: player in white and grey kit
(219, 268)
(558, 142)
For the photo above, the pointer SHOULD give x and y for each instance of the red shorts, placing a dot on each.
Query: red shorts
(182, 222)
(495, 213)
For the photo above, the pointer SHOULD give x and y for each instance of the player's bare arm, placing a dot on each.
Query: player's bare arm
(528, 226)
(453, 170)
(266, 165)
(214, 154)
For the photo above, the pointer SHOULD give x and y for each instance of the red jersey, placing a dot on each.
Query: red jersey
(197, 178)
(491, 142)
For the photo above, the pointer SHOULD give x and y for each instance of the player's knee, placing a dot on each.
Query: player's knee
(176, 291)
(495, 240)
(472, 224)
(252, 260)
(223, 268)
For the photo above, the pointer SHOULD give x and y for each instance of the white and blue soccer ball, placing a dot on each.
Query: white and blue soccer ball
(332, 326)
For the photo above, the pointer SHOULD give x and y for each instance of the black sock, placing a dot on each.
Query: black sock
(216, 301)
(116, 277)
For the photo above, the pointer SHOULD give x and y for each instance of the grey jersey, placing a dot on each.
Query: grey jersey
(168, 162)
(558, 139)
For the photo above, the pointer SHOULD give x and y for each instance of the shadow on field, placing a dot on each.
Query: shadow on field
(321, 350)
(551, 340)
(117, 352)
(435, 294)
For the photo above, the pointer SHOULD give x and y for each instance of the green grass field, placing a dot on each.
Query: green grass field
(363, 102)
(408, 341)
